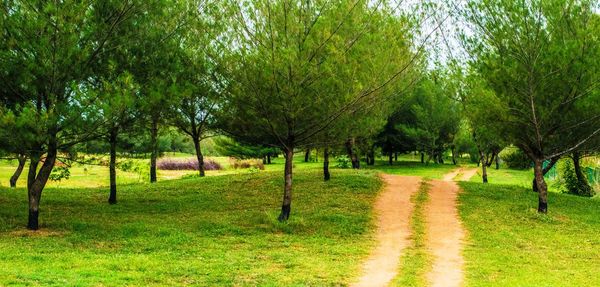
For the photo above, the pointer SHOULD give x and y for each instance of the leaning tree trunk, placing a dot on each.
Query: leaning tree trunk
(15, 177)
(553, 161)
(112, 198)
(326, 174)
(483, 159)
(199, 156)
(578, 173)
(541, 184)
(36, 181)
(353, 156)
(154, 152)
(286, 206)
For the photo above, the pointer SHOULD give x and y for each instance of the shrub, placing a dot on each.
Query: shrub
(247, 163)
(573, 185)
(517, 160)
(343, 161)
(186, 164)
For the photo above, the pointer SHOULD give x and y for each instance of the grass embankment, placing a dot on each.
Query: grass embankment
(219, 230)
(510, 244)
(415, 260)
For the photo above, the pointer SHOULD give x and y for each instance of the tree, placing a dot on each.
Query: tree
(435, 118)
(289, 60)
(540, 59)
(55, 46)
(483, 111)
(199, 85)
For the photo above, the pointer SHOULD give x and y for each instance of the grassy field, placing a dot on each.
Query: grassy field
(219, 230)
(510, 244)
(222, 229)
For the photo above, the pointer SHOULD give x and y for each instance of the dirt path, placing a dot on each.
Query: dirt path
(444, 232)
(467, 174)
(393, 209)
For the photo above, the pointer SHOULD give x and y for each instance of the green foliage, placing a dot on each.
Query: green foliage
(572, 184)
(516, 159)
(59, 173)
(343, 161)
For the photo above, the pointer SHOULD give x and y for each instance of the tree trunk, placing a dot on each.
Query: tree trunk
(453, 156)
(286, 206)
(541, 184)
(307, 155)
(422, 157)
(36, 181)
(112, 198)
(396, 156)
(15, 177)
(268, 158)
(498, 161)
(391, 158)
(154, 152)
(199, 156)
(326, 174)
(483, 159)
(553, 161)
(371, 156)
(578, 173)
(353, 156)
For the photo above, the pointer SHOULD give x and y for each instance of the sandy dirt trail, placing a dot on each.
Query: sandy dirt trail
(393, 209)
(444, 232)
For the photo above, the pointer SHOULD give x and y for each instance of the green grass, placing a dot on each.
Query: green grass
(414, 168)
(219, 230)
(415, 260)
(510, 244)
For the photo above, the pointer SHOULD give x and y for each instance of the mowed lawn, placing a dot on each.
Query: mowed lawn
(510, 244)
(218, 230)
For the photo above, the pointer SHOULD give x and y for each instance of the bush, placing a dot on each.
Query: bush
(247, 163)
(573, 185)
(186, 164)
(343, 161)
(517, 160)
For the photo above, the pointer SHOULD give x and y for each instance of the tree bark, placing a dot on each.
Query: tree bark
(422, 157)
(36, 181)
(453, 156)
(541, 184)
(268, 158)
(307, 155)
(112, 198)
(578, 173)
(15, 177)
(390, 158)
(326, 174)
(199, 156)
(286, 206)
(497, 161)
(483, 159)
(154, 146)
(371, 156)
(553, 161)
(353, 156)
